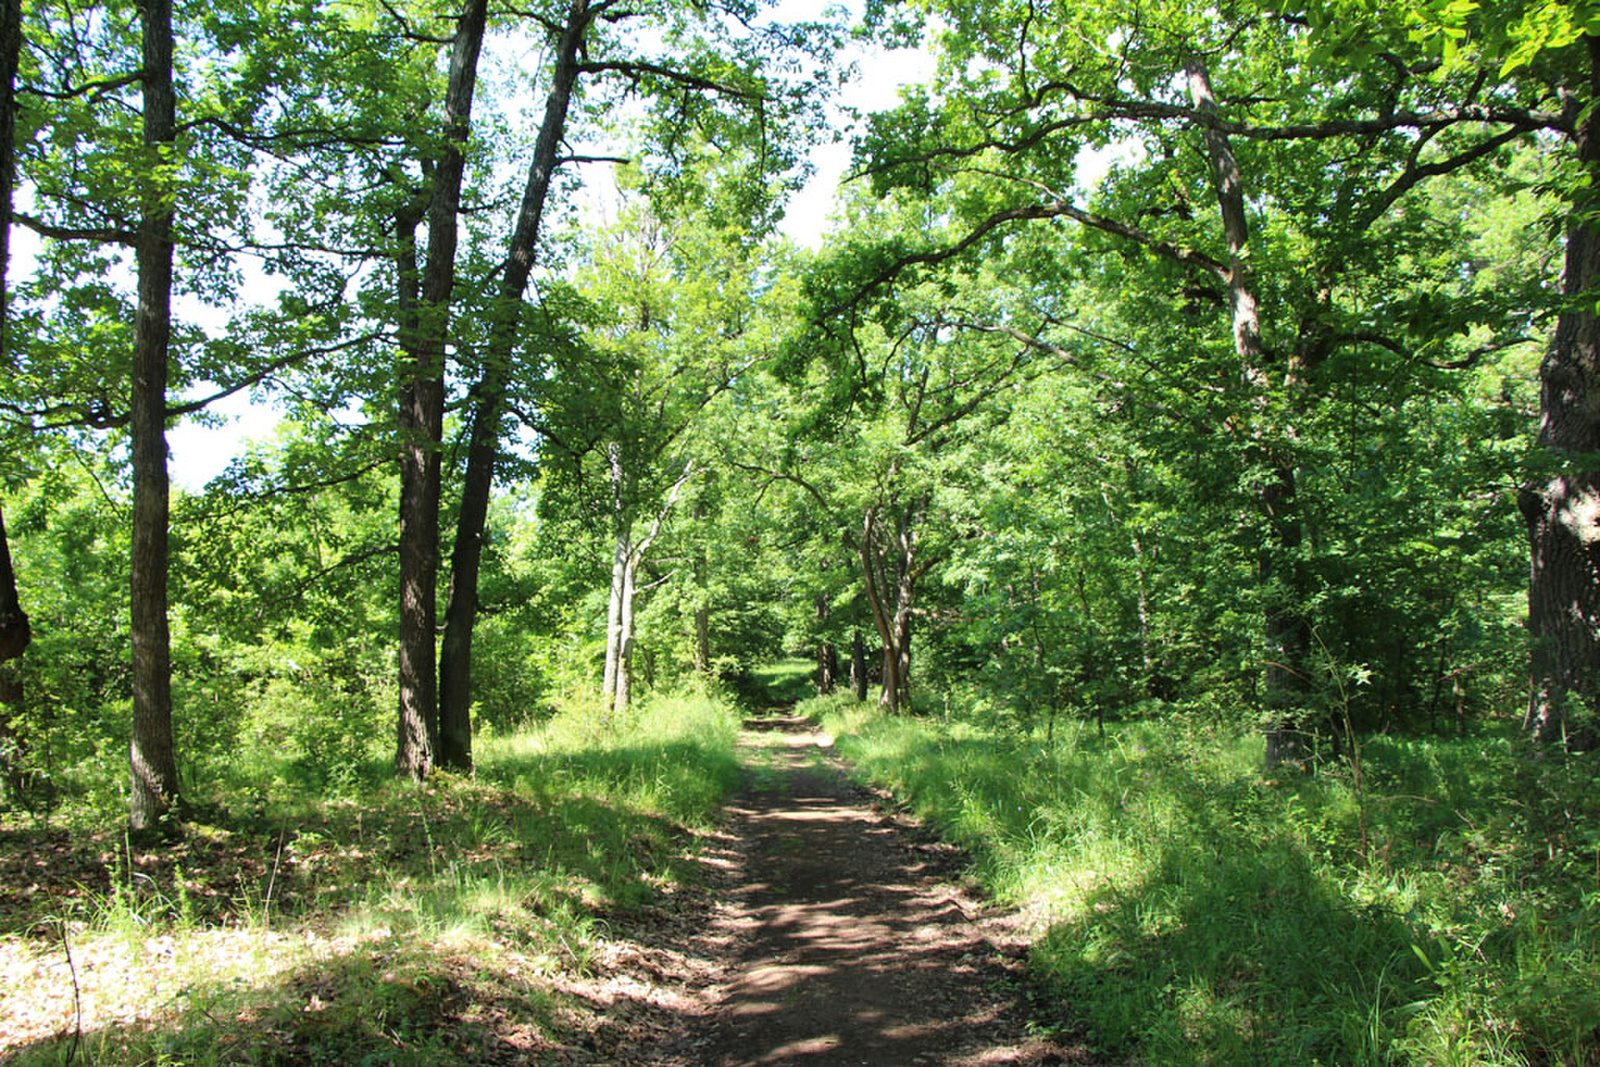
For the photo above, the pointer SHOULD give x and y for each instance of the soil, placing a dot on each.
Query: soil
(833, 932)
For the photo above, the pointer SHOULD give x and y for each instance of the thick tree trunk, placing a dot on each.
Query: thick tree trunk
(455, 658)
(1563, 513)
(1286, 630)
(153, 765)
(422, 416)
(15, 632)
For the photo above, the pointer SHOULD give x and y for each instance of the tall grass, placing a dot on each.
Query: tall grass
(1192, 912)
(407, 924)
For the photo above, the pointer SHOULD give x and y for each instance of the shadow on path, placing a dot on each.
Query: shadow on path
(849, 942)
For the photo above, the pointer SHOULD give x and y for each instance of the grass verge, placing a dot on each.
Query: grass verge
(413, 925)
(1190, 911)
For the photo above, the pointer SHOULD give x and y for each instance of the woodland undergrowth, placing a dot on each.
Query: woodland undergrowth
(400, 924)
(1189, 910)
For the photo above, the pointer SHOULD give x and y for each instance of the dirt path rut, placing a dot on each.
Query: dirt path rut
(847, 940)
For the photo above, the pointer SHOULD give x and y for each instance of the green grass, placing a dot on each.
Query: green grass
(781, 683)
(406, 925)
(1192, 912)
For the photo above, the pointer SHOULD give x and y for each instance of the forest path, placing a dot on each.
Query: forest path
(844, 937)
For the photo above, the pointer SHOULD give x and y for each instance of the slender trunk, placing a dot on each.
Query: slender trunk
(858, 665)
(889, 696)
(1286, 628)
(1563, 513)
(422, 416)
(629, 556)
(1142, 607)
(619, 581)
(455, 658)
(892, 617)
(702, 633)
(152, 763)
(622, 523)
(624, 692)
(827, 655)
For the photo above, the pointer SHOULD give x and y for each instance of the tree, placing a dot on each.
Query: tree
(424, 327)
(154, 767)
(1282, 252)
(751, 111)
(15, 632)
(682, 313)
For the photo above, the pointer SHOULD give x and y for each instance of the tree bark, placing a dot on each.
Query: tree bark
(1563, 513)
(892, 614)
(15, 631)
(455, 658)
(15, 634)
(1286, 630)
(629, 555)
(827, 655)
(622, 549)
(858, 665)
(152, 762)
(624, 693)
(421, 416)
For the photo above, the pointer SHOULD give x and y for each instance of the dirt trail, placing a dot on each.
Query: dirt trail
(845, 938)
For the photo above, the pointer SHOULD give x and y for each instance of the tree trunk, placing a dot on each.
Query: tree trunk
(15, 632)
(858, 665)
(629, 555)
(455, 658)
(153, 765)
(892, 617)
(421, 416)
(827, 655)
(1286, 629)
(1563, 513)
(702, 636)
(624, 692)
(619, 578)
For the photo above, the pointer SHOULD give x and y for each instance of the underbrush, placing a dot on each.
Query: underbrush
(1191, 911)
(411, 924)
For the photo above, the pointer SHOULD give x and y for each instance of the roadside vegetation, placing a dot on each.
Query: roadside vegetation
(399, 924)
(1190, 910)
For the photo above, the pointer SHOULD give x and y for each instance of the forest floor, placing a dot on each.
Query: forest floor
(831, 931)
(823, 928)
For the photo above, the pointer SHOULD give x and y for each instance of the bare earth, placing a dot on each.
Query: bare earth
(832, 933)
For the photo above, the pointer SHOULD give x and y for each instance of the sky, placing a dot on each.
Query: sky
(199, 453)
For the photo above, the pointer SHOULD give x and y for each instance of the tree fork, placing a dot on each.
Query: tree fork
(422, 416)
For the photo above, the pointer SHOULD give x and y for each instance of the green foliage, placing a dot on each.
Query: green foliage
(384, 928)
(1196, 913)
